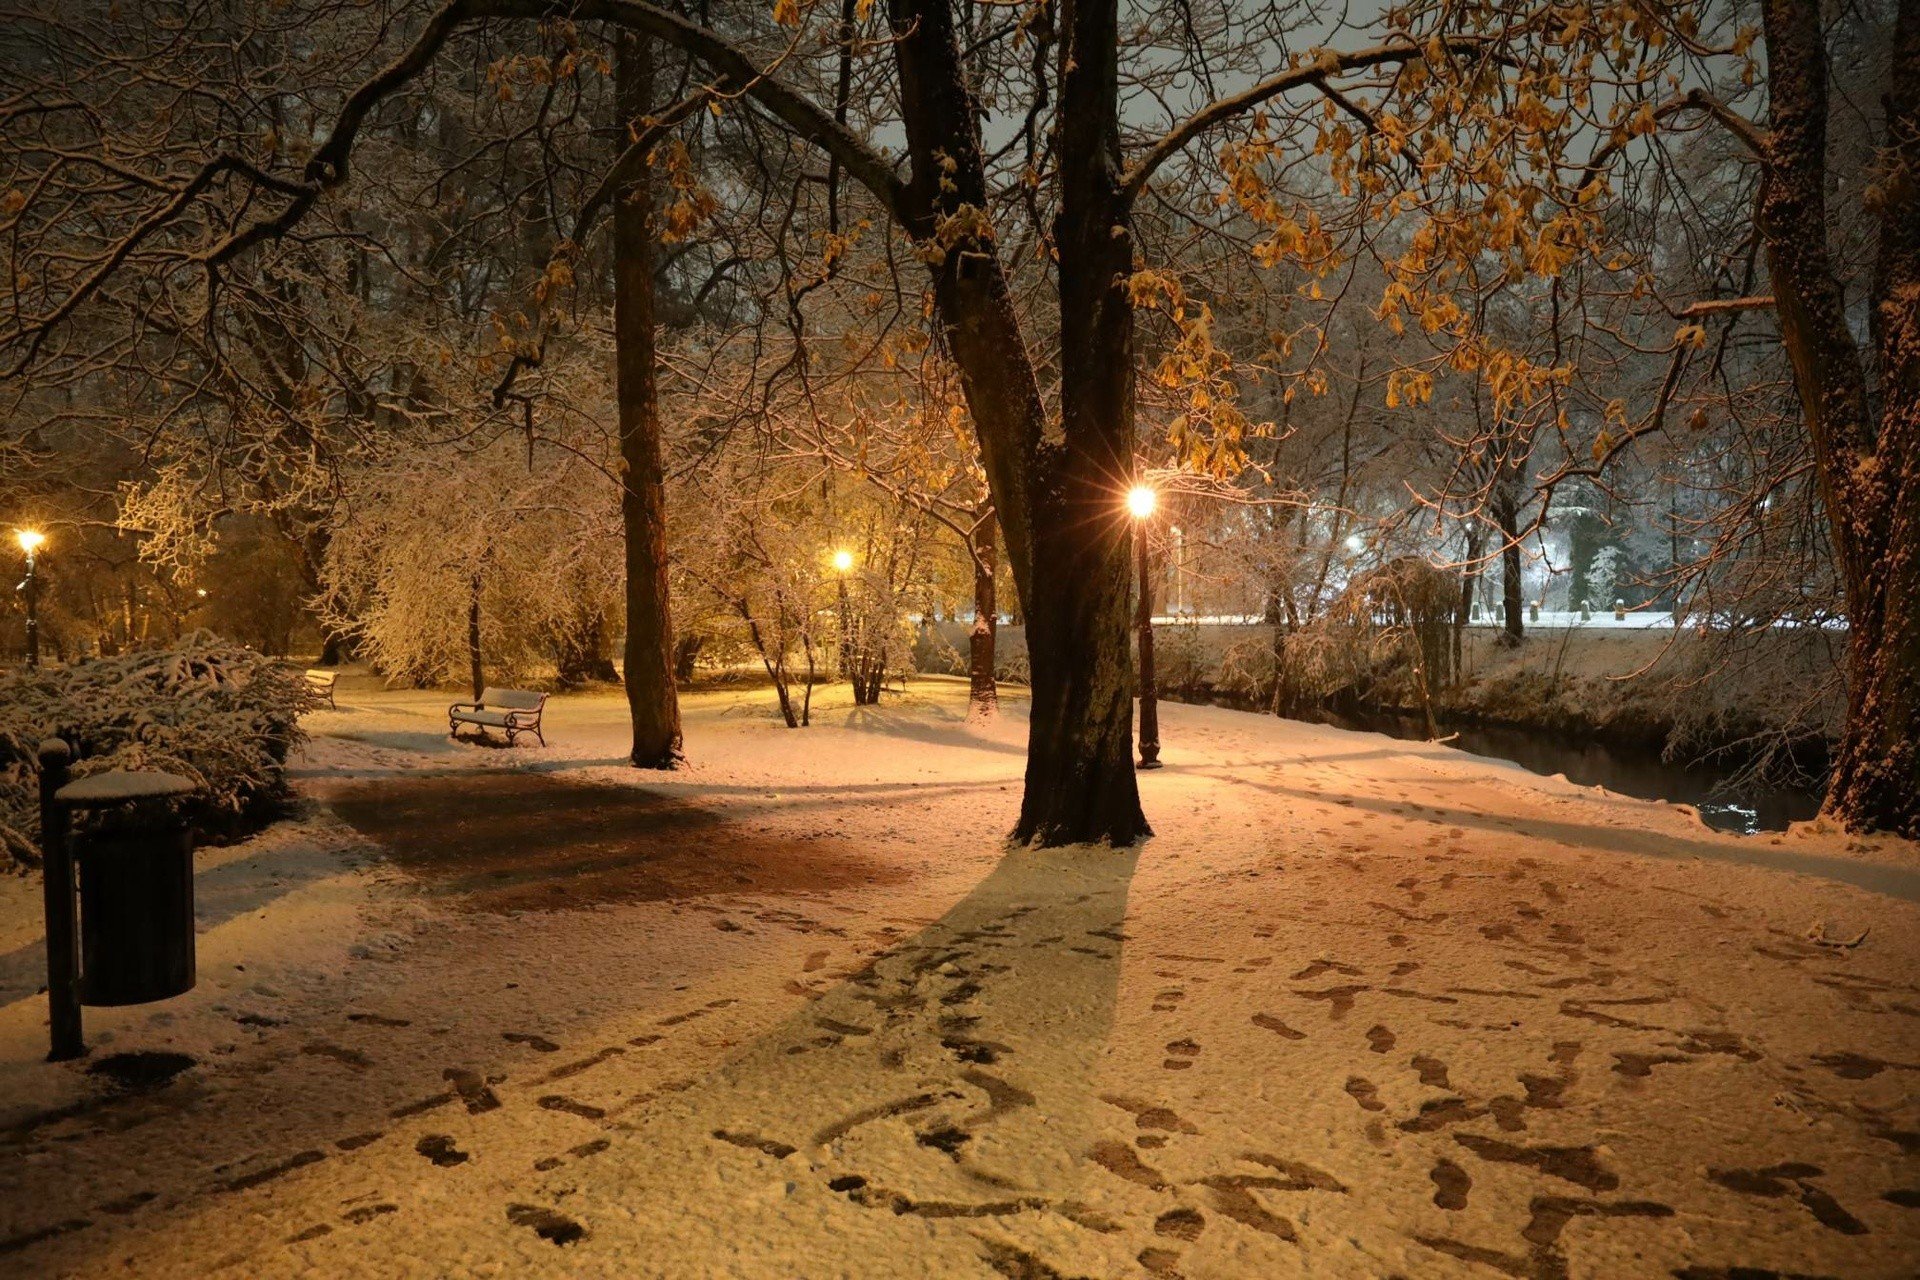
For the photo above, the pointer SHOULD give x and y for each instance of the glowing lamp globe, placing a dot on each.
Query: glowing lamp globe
(30, 540)
(1140, 502)
(843, 561)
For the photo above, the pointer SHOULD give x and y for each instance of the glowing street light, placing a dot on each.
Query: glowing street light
(1141, 500)
(842, 566)
(31, 540)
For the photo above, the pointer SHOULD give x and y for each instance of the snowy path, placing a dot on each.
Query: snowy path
(1361, 1008)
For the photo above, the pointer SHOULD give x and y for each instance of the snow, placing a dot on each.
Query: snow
(1361, 1007)
(116, 786)
(1493, 618)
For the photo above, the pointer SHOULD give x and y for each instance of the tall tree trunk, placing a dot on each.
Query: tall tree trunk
(1507, 516)
(983, 697)
(474, 670)
(647, 664)
(1869, 478)
(975, 306)
(1469, 583)
(1275, 621)
(1080, 773)
(1057, 490)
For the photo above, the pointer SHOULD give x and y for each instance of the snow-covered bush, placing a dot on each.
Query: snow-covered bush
(1181, 660)
(208, 710)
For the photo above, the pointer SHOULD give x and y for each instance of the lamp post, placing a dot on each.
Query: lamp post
(1141, 501)
(30, 541)
(842, 566)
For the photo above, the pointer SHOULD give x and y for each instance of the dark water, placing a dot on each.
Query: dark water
(1741, 808)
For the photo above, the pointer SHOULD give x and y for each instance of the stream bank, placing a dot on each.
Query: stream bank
(1737, 727)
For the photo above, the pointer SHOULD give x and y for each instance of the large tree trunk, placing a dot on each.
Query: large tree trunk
(647, 664)
(1507, 516)
(975, 306)
(1469, 584)
(1060, 495)
(983, 698)
(1869, 479)
(1080, 774)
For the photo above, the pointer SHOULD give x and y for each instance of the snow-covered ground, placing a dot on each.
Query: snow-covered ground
(1360, 1008)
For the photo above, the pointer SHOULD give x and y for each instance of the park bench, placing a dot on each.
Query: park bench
(320, 684)
(510, 710)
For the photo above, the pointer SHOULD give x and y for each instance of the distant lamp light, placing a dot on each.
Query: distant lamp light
(30, 542)
(1356, 543)
(201, 592)
(843, 561)
(1141, 501)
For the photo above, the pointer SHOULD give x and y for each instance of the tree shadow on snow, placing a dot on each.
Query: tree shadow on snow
(949, 1083)
(913, 725)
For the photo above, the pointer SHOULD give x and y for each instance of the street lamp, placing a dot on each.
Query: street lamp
(842, 560)
(30, 542)
(1141, 501)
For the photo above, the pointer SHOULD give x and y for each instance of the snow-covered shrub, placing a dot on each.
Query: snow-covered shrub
(1182, 663)
(1011, 665)
(934, 652)
(1392, 628)
(1247, 667)
(203, 708)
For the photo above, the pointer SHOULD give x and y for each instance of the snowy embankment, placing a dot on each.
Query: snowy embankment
(1361, 1007)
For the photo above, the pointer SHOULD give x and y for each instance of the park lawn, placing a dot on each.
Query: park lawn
(1359, 1008)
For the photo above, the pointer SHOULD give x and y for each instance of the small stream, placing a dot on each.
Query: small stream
(1742, 808)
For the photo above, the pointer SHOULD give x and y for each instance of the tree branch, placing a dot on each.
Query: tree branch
(330, 165)
(1720, 306)
(1315, 73)
(1693, 100)
(737, 71)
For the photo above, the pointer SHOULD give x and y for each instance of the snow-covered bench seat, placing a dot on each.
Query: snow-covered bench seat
(321, 684)
(509, 710)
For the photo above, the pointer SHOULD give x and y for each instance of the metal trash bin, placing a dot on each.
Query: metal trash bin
(135, 861)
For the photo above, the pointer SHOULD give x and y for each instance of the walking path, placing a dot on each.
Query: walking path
(1361, 1008)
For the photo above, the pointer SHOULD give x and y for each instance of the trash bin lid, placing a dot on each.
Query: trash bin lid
(118, 786)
